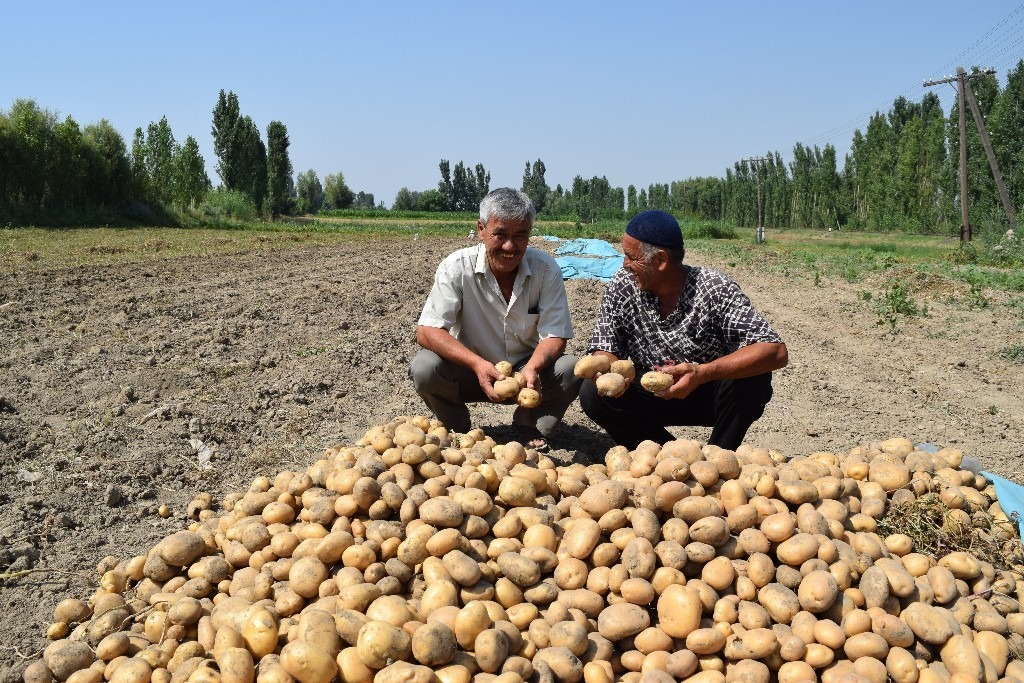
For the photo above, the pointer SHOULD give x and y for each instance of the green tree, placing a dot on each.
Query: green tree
(310, 192)
(631, 201)
(241, 153)
(279, 169)
(430, 200)
(252, 162)
(66, 165)
(32, 129)
(337, 194)
(190, 180)
(1007, 130)
(534, 184)
(445, 187)
(160, 151)
(406, 200)
(461, 187)
(108, 176)
(139, 171)
(226, 118)
(364, 200)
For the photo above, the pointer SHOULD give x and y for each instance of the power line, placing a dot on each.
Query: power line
(845, 130)
(956, 60)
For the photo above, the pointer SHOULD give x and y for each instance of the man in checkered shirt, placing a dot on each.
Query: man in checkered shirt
(693, 323)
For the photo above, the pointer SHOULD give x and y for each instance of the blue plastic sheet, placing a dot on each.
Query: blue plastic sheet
(1011, 498)
(587, 247)
(582, 267)
(585, 258)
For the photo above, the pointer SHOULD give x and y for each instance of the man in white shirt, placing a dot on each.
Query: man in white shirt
(497, 300)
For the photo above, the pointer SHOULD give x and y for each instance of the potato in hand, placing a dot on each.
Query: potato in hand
(655, 381)
(589, 366)
(506, 388)
(528, 398)
(610, 384)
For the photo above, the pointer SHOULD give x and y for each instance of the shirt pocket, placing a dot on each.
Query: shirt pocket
(530, 326)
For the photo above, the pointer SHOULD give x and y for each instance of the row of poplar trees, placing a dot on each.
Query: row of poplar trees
(51, 165)
(902, 172)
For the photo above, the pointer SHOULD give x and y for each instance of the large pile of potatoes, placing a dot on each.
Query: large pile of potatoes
(422, 556)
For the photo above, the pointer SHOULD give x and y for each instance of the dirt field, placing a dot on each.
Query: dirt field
(124, 387)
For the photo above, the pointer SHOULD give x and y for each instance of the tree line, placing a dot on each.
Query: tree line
(901, 173)
(51, 168)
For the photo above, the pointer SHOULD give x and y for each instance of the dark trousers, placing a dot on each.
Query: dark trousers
(729, 407)
(447, 387)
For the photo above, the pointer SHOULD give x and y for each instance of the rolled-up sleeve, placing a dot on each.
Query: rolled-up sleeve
(444, 301)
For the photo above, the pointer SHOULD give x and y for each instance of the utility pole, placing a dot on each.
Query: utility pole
(756, 162)
(965, 93)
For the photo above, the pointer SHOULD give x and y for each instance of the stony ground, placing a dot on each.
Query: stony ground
(124, 387)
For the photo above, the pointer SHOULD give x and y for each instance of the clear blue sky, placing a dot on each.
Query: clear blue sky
(638, 92)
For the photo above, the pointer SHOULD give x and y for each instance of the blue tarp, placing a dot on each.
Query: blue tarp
(601, 268)
(586, 258)
(587, 247)
(1011, 498)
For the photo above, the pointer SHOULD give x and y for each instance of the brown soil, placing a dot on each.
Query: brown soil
(119, 383)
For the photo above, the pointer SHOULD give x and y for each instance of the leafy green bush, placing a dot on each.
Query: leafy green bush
(896, 301)
(711, 230)
(225, 205)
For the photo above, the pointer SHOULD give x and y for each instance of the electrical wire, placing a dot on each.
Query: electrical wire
(994, 49)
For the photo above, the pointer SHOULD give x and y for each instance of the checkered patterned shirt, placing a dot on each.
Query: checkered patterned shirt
(712, 319)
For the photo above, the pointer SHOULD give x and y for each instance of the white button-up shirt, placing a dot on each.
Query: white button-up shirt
(467, 301)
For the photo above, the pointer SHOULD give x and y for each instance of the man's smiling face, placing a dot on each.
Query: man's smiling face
(505, 242)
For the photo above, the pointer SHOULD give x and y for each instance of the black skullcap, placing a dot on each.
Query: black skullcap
(658, 228)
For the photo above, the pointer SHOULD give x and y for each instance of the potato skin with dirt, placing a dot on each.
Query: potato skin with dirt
(654, 381)
(588, 367)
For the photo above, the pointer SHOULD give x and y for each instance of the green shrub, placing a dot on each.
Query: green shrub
(896, 301)
(225, 205)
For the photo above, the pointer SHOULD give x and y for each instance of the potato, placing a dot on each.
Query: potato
(434, 644)
(705, 641)
(927, 623)
(679, 610)
(622, 621)
(506, 388)
(379, 641)
(623, 367)
(610, 384)
(779, 601)
(65, 657)
(307, 663)
(236, 666)
(588, 367)
(528, 398)
(404, 672)
(818, 591)
(654, 381)
(504, 367)
(134, 670)
(259, 631)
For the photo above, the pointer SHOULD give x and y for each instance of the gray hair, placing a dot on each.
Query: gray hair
(649, 251)
(507, 203)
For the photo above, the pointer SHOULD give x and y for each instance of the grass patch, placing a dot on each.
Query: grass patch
(1014, 354)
